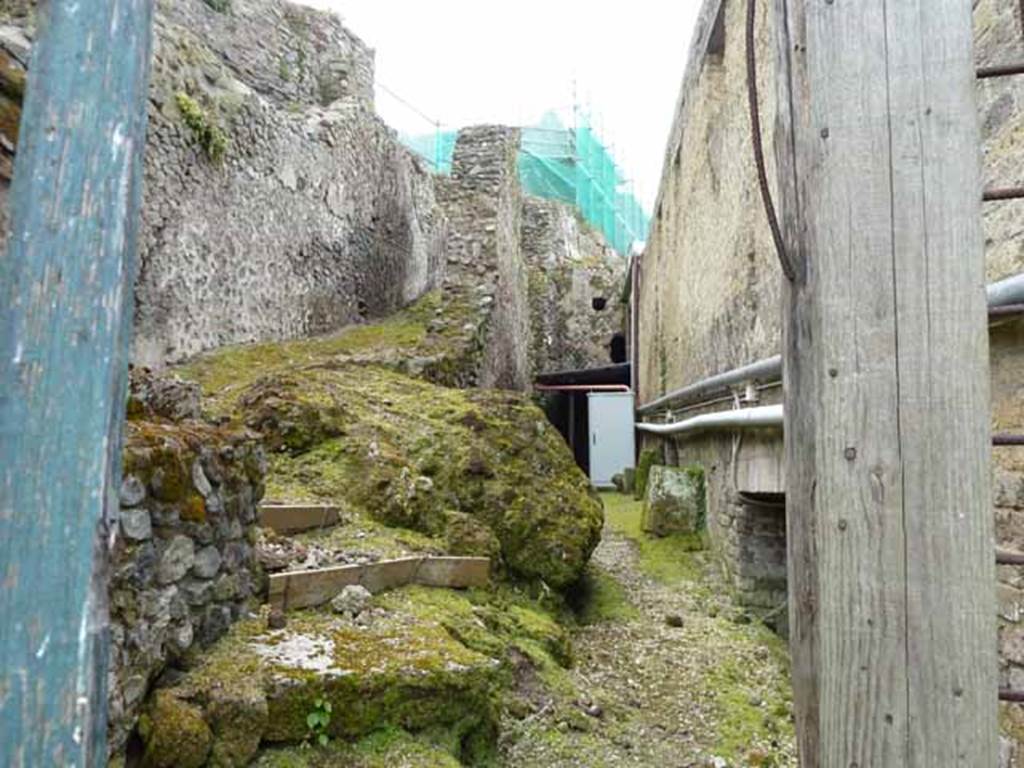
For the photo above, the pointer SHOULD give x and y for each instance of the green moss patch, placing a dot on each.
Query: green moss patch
(427, 672)
(751, 712)
(648, 458)
(405, 336)
(489, 622)
(387, 748)
(412, 454)
(670, 559)
(598, 597)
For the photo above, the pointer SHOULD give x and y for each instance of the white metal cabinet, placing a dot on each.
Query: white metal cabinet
(611, 435)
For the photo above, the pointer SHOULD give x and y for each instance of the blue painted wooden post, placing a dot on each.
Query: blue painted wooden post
(65, 303)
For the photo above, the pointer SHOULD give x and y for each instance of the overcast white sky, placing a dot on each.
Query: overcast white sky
(477, 61)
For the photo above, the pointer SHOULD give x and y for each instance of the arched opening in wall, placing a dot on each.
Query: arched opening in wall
(617, 348)
(599, 303)
(758, 564)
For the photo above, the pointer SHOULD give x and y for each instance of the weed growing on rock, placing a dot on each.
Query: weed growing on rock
(208, 134)
(318, 720)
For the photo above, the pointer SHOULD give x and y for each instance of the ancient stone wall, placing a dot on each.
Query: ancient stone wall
(182, 565)
(709, 281)
(1007, 350)
(999, 39)
(575, 283)
(482, 202)
(276, 204)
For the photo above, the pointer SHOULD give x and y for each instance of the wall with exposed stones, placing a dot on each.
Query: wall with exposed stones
(709, 283)
(999, 39)
(182, 565)
(570, 267)
(315, 217)
(482, 202)
(276, 204)
(1007, 349)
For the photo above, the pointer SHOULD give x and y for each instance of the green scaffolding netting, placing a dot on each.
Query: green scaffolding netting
(567, 164)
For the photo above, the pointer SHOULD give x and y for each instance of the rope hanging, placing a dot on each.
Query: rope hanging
(755, 134)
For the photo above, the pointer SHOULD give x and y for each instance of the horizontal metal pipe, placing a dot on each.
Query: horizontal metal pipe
(1005, 438)
(581, 387)
(768, 369)
(762, 416)
(1000, 294)
(1005, 310)
(1008, 291)
(1005, 557)
(1008, 193)
(1000, 70)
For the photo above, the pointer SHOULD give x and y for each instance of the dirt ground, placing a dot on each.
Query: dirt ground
(668, 672)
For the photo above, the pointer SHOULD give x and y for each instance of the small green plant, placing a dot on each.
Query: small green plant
(220, 6)
(317, 721)
(211, 137)
(284, 69)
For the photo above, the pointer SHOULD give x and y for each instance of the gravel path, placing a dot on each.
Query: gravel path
(712, 691)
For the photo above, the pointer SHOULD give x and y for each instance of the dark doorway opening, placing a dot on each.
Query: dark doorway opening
(617, 348)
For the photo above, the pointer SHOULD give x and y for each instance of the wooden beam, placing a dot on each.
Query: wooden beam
(295, 518)
(308, 589)
(890, 528)
(65, 297)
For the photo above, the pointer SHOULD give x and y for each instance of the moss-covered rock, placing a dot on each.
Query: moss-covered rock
(288, 422)
(174, 733)
(387, 748)
(430, 662)
(674, 501)
(416, 455)
(238, 717)
(410, 675)
(465, 535)
(648, 458)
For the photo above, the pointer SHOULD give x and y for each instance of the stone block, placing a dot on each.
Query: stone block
(226, 586)
(178, 556)
(628, 480)
(136, 524)
(1010, 601)
(207, 562)
(674, 501)
(197, 593)
(133, 491)
(352, 600)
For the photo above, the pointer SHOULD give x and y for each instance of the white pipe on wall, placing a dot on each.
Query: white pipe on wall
(1008, 291)
(763, 416)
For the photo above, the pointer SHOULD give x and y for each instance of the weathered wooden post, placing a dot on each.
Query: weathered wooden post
(65, 299)
(891, 567)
